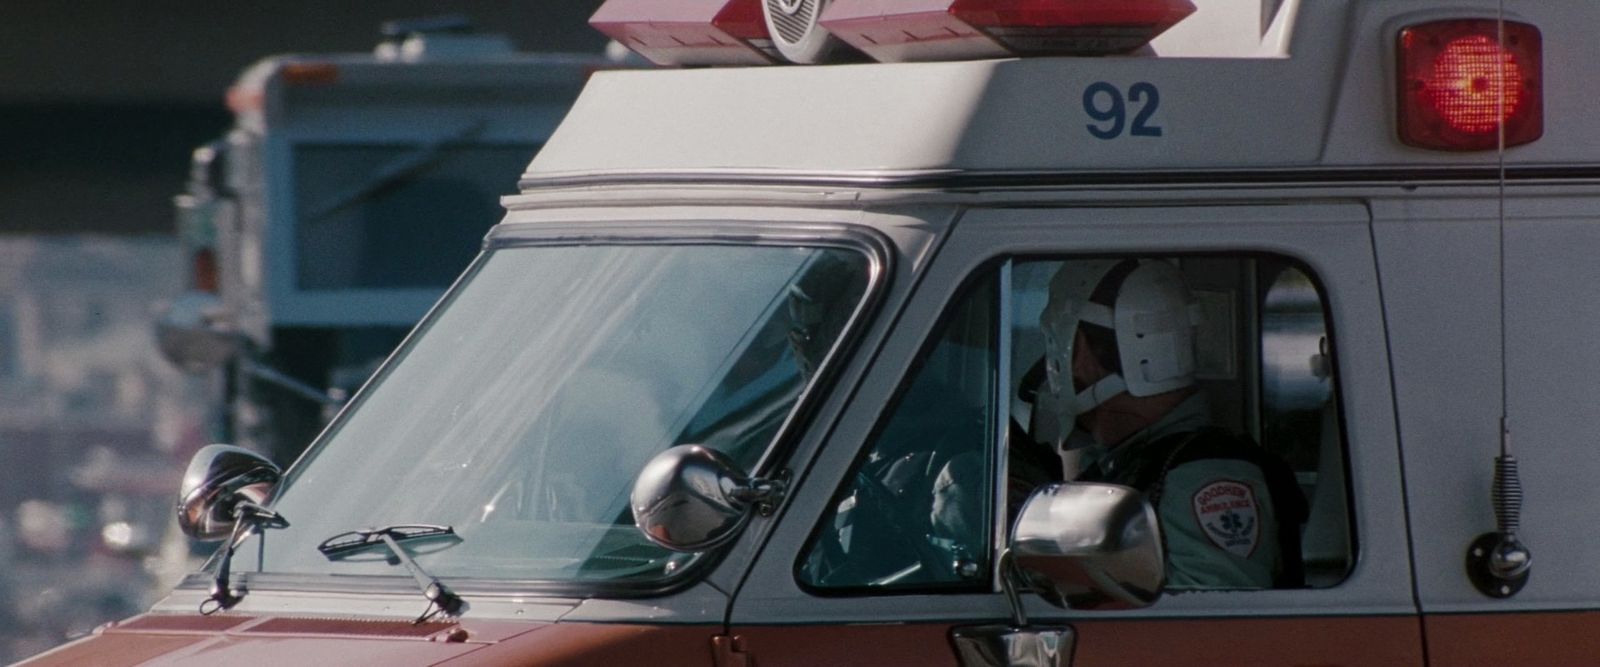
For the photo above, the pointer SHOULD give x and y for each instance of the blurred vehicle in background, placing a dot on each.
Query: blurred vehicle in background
(351, 190)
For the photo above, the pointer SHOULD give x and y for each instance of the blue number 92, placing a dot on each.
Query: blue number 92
(1104, 104)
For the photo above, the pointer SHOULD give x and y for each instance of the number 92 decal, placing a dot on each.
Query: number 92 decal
(1109, 108)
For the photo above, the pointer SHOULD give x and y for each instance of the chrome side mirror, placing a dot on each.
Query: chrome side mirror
(693, 498)
(196, 334)
(218, 480)
(1090, 546)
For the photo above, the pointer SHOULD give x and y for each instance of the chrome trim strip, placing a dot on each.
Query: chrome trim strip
(1001, 479)
(956, 179)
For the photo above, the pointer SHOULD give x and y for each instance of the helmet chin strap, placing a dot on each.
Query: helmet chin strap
(1099, 393)
(1055, 413)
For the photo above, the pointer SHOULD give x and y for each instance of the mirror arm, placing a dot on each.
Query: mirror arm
(1008, 584)
(250, 519)
(1017, 643)
(223, 596)
(280, 379)
(764, 494)
(758, 490)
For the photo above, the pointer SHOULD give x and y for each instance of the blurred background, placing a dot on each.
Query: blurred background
(101, 106)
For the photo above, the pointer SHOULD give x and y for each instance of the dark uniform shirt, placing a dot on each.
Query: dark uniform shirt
(1219, 518)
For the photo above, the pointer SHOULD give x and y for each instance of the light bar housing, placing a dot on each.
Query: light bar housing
(923, 30)
(1451, 74)
(689, 32)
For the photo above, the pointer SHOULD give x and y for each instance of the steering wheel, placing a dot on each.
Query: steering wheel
(875, 499)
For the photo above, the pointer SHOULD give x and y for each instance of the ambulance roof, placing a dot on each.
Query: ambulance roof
(1325, 103)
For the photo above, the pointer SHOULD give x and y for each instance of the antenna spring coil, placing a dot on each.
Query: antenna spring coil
(1507, 494)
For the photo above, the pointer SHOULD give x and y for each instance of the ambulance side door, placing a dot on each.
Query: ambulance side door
(888, 546)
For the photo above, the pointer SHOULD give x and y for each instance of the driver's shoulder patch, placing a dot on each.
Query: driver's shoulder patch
(1230, 515)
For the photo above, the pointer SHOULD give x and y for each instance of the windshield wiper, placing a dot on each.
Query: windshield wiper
(397, 170)
(441, 600)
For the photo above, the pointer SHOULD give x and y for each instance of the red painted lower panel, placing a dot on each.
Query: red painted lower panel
(601, 645)
(1297, 642)
(100, 651)
(1543, 638)
(181, 623)
(876, 645)
(182, 641)
(128, 649)
(234, 650)
(1301, 642)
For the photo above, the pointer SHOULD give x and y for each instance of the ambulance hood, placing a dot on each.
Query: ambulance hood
(192, 639)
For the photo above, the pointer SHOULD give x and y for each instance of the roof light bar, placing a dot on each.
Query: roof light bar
(1452, 74)
(689, 32)
(911, 30)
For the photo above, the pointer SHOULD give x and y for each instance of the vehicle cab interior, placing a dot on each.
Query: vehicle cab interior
(959, 450)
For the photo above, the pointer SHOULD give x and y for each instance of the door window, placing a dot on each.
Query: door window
(915, 512)
(1203, 381)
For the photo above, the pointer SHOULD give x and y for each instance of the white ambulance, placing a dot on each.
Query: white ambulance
(749, 333)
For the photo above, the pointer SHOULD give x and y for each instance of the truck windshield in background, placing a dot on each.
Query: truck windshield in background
(366, 212)
(521, 413)
(350, 192)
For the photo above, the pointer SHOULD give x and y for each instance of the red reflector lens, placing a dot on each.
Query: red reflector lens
(203, 271)
(689, 32)
(310, 74)
(1459, 83)
(903, 30)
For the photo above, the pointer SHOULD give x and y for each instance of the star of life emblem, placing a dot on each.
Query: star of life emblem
(1230, 516)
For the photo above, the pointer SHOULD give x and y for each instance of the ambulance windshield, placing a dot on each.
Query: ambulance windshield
(521, 413)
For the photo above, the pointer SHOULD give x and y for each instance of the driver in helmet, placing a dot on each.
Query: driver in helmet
(1119, 403)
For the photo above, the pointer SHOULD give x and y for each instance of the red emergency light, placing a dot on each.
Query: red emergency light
(910, 30)
(1460, 81)
(689, 32)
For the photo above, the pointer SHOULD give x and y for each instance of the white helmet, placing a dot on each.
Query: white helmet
(1152, 317)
